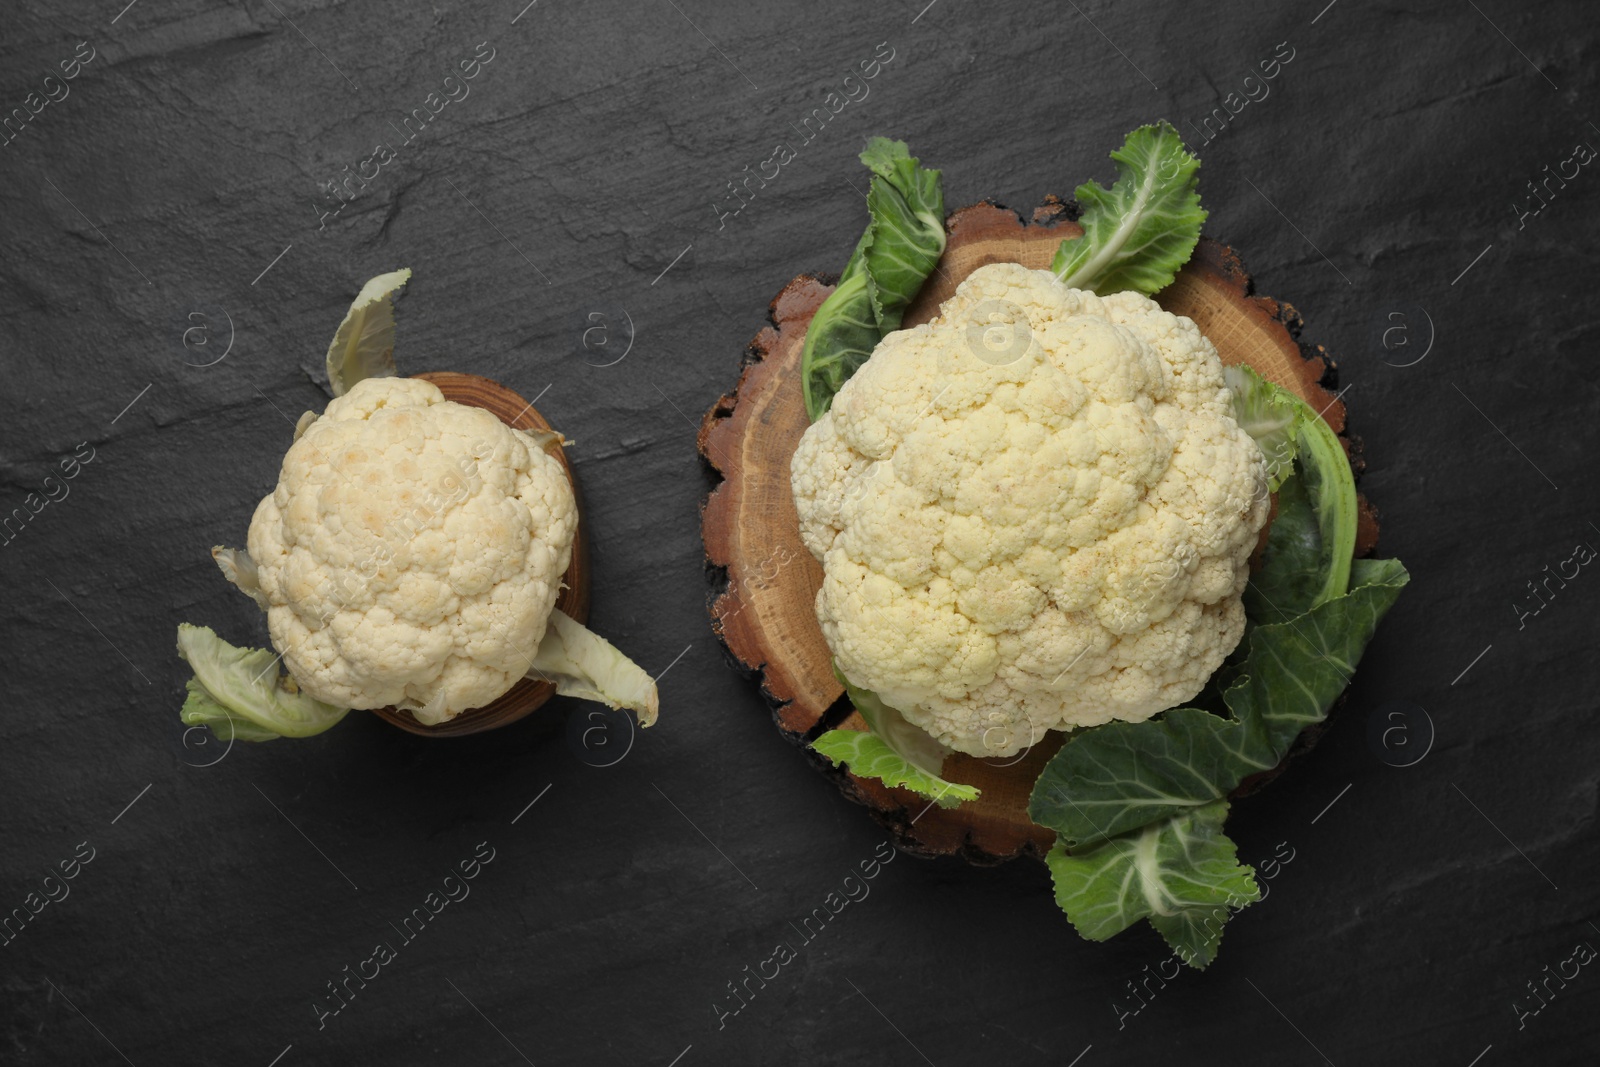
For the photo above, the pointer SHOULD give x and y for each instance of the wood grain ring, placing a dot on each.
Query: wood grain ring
(764, 613)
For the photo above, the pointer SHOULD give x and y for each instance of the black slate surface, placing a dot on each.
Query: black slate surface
(175, 187)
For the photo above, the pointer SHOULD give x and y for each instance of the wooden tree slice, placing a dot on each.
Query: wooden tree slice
(525, 696)
(765, 615)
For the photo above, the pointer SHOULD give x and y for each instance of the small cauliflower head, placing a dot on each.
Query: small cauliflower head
(412, 551)
(1033, 513)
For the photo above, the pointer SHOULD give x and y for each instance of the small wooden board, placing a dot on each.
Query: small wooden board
(525, 696)
(765, 613)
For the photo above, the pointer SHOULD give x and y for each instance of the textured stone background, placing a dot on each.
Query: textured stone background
(180, 177)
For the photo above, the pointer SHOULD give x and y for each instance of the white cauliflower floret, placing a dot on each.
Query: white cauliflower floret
(1033, 513)
(412, 551)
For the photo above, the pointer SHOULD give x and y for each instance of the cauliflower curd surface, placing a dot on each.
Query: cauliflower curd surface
(1033, 513)
(412, 551)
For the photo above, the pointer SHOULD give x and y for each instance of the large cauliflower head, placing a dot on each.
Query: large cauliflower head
(412, 551)
(1033, 513)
